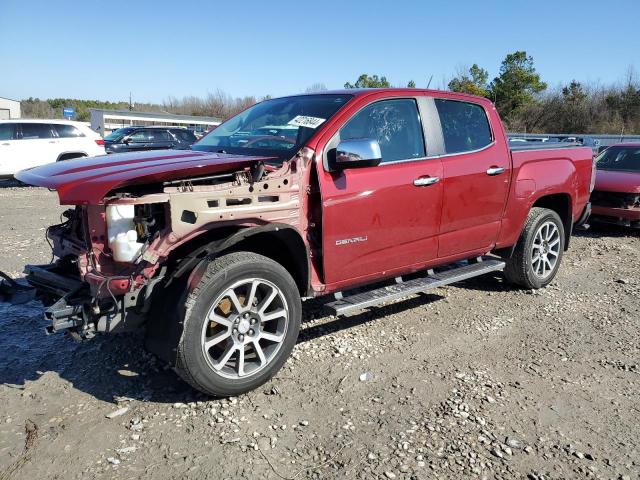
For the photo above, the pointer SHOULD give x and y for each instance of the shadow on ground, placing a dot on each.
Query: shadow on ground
(115, 366)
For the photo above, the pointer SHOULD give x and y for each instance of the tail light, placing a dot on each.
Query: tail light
(593, 176)
(100, 141)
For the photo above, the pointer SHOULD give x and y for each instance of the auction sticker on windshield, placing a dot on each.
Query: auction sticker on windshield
(304, 121)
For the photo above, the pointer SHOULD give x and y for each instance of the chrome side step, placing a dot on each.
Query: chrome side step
(344, 304)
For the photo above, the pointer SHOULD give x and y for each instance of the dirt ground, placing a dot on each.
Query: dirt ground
(475, 380)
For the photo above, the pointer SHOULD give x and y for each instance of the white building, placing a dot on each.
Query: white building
(9, 108)
(103, 121)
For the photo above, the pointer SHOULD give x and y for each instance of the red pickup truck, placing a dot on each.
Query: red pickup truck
(213, 249)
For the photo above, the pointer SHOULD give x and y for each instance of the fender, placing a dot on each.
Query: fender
(196, 262)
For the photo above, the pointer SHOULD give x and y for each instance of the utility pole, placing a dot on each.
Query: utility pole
(130, 104)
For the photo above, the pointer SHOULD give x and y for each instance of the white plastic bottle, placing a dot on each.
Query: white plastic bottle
(123, 239)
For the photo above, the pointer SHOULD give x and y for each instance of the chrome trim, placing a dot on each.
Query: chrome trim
(382, 164)
(426, 181)
(495, 171)
(464, 153)
(357, 151)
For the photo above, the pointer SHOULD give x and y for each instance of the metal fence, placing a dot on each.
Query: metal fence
(604, 140)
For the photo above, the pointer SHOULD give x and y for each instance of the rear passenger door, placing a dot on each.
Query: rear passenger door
(160, 139)
(476, 171)
(36, 145)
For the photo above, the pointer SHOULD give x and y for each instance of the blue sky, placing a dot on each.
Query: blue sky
(103, 50)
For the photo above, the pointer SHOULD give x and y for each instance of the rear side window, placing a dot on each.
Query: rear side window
(159, 136)
(34, 131)
(67, 131)
(141, 136)
(395, 124)
(184, 135)
(464, 125)
(6, 131)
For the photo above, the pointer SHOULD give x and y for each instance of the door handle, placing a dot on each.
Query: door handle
(425, 181)
(495, 170)
(53, 141)
(6, 144)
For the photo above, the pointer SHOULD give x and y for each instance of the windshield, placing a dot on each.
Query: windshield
(277, 127)
(118, 134)
(619, 158)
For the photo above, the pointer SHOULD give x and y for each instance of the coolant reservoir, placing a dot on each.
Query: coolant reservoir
(123, 239)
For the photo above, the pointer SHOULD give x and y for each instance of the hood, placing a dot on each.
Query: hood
(617, 181)
(87, 181)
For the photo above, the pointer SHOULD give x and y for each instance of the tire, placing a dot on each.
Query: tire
(240, 348)
(532, 266)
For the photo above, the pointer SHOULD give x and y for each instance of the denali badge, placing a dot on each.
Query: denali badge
(345, 241)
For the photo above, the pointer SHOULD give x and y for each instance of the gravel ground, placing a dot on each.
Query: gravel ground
(475, 380)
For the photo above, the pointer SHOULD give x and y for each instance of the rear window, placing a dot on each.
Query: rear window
(34, 131)
(464, 125)
(67, 131)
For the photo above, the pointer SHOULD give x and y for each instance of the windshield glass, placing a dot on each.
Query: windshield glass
(118, 134)
(619, 158)
(277, 127)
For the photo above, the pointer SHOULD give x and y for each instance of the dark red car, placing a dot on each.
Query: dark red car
(616, 196)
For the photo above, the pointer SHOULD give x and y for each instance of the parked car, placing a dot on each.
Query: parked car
(616, 196)
(213, 249)
(29, 143)
(129, 139)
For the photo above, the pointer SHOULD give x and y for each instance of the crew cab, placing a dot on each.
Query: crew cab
(387, 192)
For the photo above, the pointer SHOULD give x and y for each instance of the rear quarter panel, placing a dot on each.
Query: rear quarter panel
(540, 173)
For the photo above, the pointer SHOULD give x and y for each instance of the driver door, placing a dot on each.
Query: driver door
(382, 220)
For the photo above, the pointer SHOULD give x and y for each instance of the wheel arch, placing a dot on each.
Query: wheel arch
(281, 243)
(560, 203)
(69, 155)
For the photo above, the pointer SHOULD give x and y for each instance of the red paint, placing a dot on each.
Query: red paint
(632, 214)
(617, 181)
(468, 213)
(87, 181)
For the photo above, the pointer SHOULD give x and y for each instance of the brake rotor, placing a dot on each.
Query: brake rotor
(225, 307)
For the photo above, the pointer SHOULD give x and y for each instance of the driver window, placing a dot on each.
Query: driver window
(395, 124)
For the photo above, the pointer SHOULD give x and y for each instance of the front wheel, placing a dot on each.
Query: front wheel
(538, 253)
(240, 324)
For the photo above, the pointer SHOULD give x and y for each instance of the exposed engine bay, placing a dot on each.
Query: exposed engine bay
(109, 258)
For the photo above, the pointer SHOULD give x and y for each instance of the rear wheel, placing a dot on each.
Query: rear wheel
(240, 325)
(538, 253)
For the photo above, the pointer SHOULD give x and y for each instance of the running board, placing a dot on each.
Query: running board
(402, 289)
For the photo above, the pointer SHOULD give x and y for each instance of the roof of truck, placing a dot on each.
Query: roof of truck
(408, 91)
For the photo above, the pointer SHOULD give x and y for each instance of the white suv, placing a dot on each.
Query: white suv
(30, 143)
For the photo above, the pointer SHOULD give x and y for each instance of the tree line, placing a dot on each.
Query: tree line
(218, 104)
(524, 101)
(527, 104)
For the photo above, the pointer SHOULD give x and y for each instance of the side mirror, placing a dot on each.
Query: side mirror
(357, 153)
(126, 141)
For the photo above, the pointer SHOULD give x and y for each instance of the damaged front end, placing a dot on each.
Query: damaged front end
(618, 208)
(111, 253)
(84, 291)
